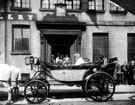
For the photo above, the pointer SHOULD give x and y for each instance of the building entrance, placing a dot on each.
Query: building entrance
(60, 44)
(60, 49)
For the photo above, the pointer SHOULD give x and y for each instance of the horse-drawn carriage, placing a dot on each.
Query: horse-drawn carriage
(99, 85)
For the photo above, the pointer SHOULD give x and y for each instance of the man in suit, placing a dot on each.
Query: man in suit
(130, 72)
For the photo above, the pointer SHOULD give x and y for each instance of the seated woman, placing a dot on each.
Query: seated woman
(78, 59)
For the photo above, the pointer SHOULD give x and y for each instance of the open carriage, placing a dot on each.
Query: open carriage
(98, 84)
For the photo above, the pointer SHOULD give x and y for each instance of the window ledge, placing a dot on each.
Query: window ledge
(44, 9)
(113, 11)
(20, 53)
(96, 11)
(52, 10)
(71, 10)
(20, 9)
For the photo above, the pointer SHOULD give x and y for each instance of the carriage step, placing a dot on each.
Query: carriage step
(52, 82)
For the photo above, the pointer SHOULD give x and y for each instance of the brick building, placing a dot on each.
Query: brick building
(44, 27)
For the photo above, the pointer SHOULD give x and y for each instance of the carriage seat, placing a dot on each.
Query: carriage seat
(85, 65)
(53, 66)
(57, 66)
(82, 66)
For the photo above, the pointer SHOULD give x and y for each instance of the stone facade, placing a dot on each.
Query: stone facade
(117, 26)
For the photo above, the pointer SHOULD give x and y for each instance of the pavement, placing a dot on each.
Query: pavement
(66, 94)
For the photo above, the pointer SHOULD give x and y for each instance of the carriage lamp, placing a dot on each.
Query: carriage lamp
(31, 60)
(38, 62)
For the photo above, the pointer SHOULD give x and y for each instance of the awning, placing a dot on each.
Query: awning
(61, 25)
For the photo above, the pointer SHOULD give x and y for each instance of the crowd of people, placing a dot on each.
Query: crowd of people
(65, 60)
(61, 59)
(126, 73)
(123, 73)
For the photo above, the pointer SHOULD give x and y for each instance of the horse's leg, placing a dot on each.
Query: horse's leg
(15, 85)
(15, 92)
(9, 92)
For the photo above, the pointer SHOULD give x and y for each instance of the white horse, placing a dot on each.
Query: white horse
(9, 76)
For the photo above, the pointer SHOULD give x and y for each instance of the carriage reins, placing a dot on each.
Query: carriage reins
(11, 81)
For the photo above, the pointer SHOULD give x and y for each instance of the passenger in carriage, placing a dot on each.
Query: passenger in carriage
(78, 59)
(53, 59)
(57, 58)
(66, 60)
(60, 60)
(102, 63)
(87, 60)
(103, 60)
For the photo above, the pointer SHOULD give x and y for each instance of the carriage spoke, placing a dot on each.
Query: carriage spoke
(33, 99)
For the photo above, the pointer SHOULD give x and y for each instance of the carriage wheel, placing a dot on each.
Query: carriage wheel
(35, 91)
(46, 82)
(84, 83)
(85, 76)
(48, 85)
(100, 86)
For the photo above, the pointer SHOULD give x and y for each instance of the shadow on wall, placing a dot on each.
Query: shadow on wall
(93, 17)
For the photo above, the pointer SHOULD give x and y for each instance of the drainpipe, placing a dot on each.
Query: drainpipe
(5, 20)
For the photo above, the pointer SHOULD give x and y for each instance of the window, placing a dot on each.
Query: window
(21, 3)
(131, 46)
(115, 7)
(21, 37)
(48, 4)
(97, 5)
(100, 45)
(71, 4)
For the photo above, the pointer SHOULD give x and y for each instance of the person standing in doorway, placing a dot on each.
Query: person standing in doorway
(130, 72)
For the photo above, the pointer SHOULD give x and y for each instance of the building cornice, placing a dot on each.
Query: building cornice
(111, 23)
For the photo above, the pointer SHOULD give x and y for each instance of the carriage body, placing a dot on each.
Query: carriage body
(68, 74)
(78, 73)
(71, 73)
(82, 75)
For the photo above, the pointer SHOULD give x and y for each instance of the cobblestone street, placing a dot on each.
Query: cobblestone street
(64, 95)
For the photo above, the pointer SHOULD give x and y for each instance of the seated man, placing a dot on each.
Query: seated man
(78, 59)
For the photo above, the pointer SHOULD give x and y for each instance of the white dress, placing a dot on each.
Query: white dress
(79, 61)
